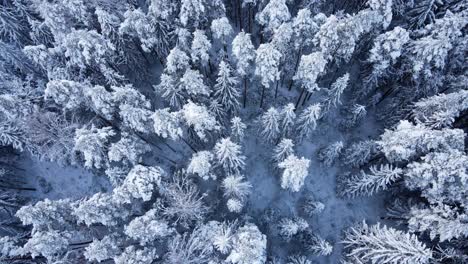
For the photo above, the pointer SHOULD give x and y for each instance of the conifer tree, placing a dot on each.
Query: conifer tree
(244, 53)
(273, 15)
(284, 149)
(270, 122)
(200, 48)
(383, 244)
(307, 120)
(295, 172)
(229, 156)
(225, 89)
(267, 62)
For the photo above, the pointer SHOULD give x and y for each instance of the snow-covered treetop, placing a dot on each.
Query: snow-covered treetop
(267, 62)
(295, 171)
(408, 140)
(310, 68)
(244, 53)
(273, 15)
(222, 29)
(200, 119)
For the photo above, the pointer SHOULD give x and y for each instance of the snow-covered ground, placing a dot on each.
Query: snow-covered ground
(53, 181)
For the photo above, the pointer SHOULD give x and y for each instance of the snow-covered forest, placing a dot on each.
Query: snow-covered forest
(233, 131)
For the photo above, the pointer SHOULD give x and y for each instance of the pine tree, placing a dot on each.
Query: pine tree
(312, 207)
(432, 50)
(284, 149)
(378, 179)
(101, 208)
(310, 68)
(136, 118)
(359, 153)
(222, 30)
(407, 141)
(237, 129)
(383, 244)
(140, 183)
(295, 172)
(235, 186)
(192, 12)
(307, 120)
(304, 28)
(270, 122)
(104, 249)
(440, 176)
(202, 165)
(132, 254)
(68, 94)
(182, 204)
(177, 61)
(289, 227)
(267, 62)
(170, 91)
(200, 48)
(49, 244)
(387, 48)
(329, 154)
(152, 31)
(244, 53)
(192, 83)
(441, 221)
(440, 110)
(336, 90)
(11, 135)
(225, 89)
(248, 246)
(229, 156)
(288, 119)
(128, 149)
(200, 119)
(166, 124)
(148, 228)
(92, 143)
(273, 15)
(320, 247)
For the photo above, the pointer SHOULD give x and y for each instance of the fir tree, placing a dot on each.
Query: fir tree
(229, 156)
(384, 244)
(225, 89)
(295, 172)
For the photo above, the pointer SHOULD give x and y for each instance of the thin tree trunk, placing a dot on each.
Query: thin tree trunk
(295, 68)
(276, 89)
(18, 188)
(299, 99)
(386, 94)
(245, 91)
(211, 66)
(169, 146)
(188, 144)
(239, 13)
(250, 19)
(263, 94)
(307, 94)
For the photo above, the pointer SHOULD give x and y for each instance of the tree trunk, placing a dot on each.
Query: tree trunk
(245, 91)
(188, 144)
(250, 19)
(18, 188)
(299, 99)
(276, 89)
(295, 68)
(263, 94)
(239, 13)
